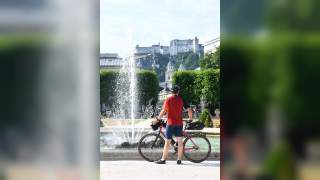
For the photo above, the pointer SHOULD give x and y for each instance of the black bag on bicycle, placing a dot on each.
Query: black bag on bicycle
(155, 126)
(195, 125)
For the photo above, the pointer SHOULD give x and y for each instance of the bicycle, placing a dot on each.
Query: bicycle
(196, 146)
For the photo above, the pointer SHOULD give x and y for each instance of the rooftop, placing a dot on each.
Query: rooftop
(212, 41)
(109, 55)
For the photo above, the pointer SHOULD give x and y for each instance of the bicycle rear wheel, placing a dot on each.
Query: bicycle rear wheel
(197, 148)
(150, 147)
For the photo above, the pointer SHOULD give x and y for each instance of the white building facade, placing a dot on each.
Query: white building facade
(181, 46)
(211, 46)
(176, 46)
(152, 49)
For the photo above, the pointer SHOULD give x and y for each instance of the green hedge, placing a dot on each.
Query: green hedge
(197, 84)
(108, 80)
(147, 85)
(282, 70)
(186, 80)
(208, 86)
(297, 90)
(21, 59)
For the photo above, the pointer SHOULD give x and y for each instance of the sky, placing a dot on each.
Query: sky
(126, 23)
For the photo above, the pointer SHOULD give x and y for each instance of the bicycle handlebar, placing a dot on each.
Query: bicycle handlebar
(164, 120)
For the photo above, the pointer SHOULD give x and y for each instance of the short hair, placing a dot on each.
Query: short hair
(175, 89)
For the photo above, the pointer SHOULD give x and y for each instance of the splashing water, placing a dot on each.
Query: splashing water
(125, 108)
(126, 97)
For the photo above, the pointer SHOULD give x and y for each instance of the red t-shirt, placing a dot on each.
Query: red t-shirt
(174, 106)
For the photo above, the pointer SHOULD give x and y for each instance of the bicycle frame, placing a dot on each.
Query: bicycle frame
(184, 134)
(194, 144)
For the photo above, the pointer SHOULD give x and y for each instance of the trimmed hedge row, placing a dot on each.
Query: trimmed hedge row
(199, 84)
(148, 87)
(21, 61)
(108, 80)
(282, 71)
(186, 80)
(147, 84)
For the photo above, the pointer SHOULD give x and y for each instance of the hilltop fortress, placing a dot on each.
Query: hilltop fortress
(176, 46)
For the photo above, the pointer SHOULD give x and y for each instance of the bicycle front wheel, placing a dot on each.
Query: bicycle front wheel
(197, 148)
(150, 147)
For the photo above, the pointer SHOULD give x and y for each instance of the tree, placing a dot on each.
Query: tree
(189, 59)
(211, 60)
(163, 61)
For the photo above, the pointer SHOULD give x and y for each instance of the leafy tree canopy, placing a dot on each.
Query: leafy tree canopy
(211, 60)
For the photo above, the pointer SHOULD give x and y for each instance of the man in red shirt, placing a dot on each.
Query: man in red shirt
(173, 107)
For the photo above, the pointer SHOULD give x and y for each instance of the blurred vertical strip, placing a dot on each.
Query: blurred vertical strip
(270, 72)
(49, 89)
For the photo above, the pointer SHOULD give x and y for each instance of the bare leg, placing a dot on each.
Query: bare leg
(180, 147)
(166, 149)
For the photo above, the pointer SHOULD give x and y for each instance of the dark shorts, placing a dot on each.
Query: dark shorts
(173, 130)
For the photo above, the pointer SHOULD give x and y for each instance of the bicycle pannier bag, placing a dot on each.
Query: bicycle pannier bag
(195, 126)
(155, 126)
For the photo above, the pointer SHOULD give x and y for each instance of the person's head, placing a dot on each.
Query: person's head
(175, 89)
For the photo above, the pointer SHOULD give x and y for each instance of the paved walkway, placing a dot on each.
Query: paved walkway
(133, 155)
(140, 170)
